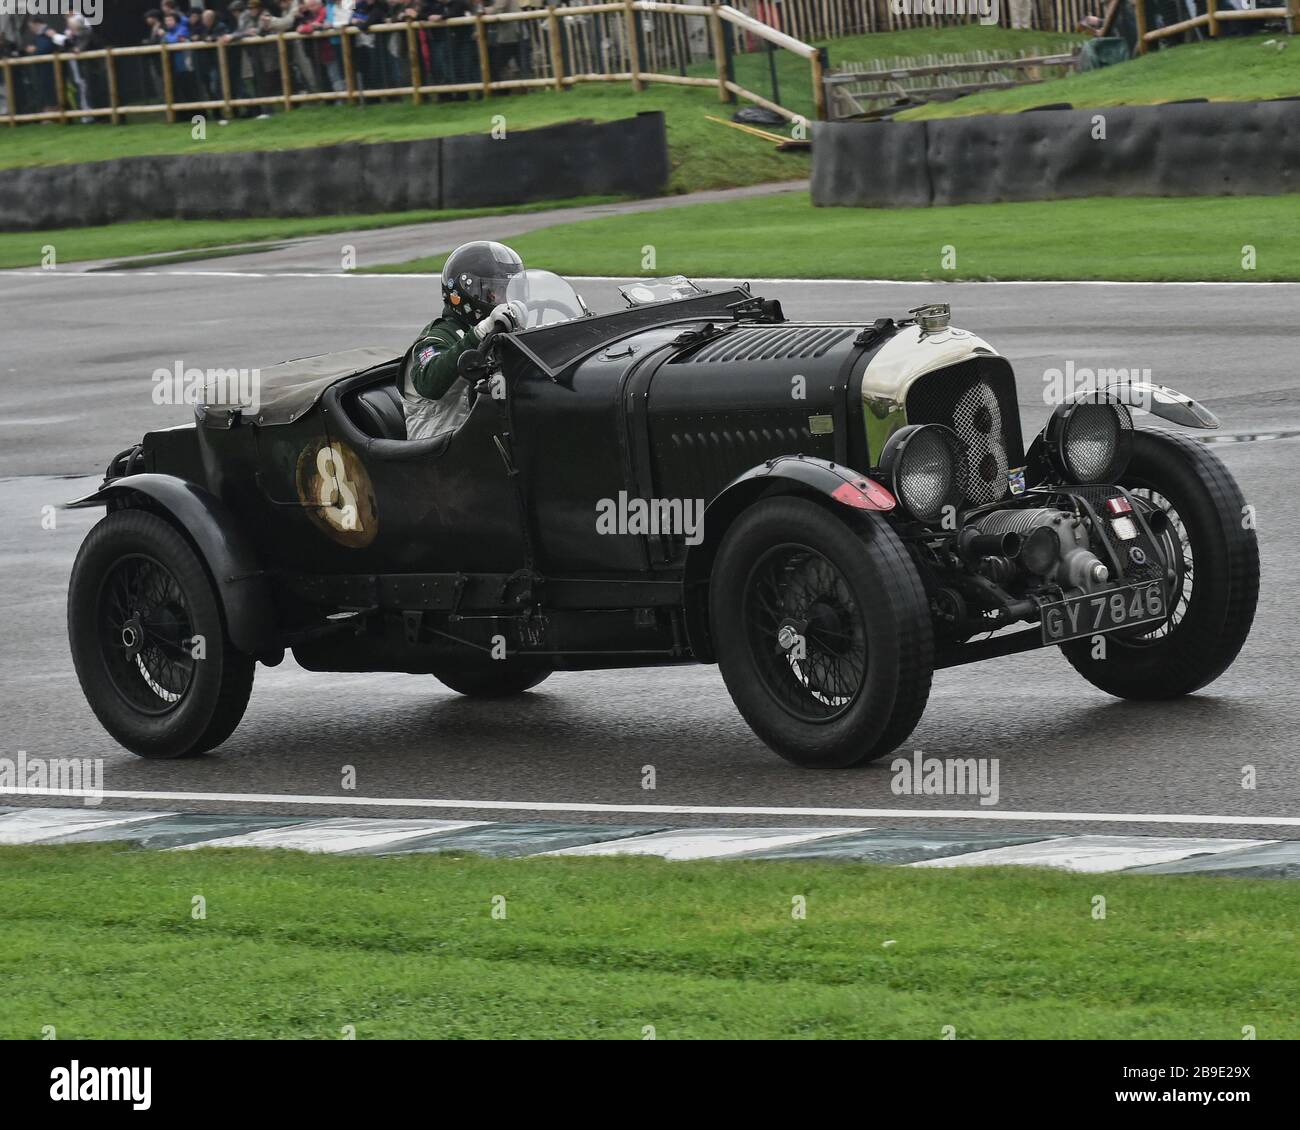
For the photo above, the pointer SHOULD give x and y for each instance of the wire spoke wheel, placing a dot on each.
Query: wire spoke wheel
(1177, 545)
(821, 630)
(805, 631)
(145, 627)
(149, 639)
(1210, 546)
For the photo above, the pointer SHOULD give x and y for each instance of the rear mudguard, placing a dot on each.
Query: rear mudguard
(237, 575)
(787, 474)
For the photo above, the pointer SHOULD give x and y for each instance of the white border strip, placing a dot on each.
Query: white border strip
(338, 835)
(1095, 854)
(672, 809)
(709, 843)
(43, 825)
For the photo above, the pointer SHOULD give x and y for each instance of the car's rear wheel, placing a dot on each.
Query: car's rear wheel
(500, 679)
(148, 640)
(822, 632)
(1210, 538)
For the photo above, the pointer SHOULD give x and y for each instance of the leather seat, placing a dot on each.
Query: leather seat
(378, 412)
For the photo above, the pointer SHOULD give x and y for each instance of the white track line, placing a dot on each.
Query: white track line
(671, 809)
(936, 282)
(31, 272)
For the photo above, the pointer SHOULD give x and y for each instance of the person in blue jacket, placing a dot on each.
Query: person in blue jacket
(176, 30)
(43, 43)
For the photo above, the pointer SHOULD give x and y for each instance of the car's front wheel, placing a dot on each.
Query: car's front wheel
(148, 640)
(822, 632)
(1209, 538)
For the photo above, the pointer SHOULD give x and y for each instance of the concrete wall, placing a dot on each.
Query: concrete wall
(1197, 149)
(627, 157)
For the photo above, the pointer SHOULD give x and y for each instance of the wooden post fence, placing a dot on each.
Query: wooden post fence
(556, 48)
(633, 47)
(719, 36)
(641, 55)
(349, 68)
(1210, 18)
(484, 60)
(286, 79)
(413, 50)
(169, 82)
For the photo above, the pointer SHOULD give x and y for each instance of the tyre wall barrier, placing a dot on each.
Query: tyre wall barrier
(1197, 149)
(625, 157)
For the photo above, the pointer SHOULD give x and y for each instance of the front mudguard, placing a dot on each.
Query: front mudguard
(787, 474)
(232, 562)
(1160, 400)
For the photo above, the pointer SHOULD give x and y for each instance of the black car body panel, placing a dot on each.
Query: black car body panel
(830, 511)
(334, 535)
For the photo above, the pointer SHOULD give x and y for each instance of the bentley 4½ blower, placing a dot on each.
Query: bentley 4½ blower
(827, 510)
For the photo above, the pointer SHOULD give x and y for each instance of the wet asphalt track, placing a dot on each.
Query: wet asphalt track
(75, 363)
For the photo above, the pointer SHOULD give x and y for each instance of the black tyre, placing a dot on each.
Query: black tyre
(789, 570)
(149, 642)
(1216, 557)
(500, 679)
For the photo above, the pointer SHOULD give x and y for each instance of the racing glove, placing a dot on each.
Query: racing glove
(505, 318)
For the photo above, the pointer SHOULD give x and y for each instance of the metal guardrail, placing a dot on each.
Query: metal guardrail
(634, 41)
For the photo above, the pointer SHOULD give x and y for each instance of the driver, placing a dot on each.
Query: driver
(436, 398)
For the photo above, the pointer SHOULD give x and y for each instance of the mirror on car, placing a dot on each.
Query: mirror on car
(470, 363)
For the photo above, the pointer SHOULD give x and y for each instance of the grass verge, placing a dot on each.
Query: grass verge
(100, 942)
(1139, 239)
(157, 237)
(1235, 69)
(703, 154)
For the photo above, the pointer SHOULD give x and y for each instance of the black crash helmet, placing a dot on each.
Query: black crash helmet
(475, 277)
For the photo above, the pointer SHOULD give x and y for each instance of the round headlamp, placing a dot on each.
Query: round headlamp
(925, 467)
(1090, 441)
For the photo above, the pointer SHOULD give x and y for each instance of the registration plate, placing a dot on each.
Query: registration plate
(1103, 611)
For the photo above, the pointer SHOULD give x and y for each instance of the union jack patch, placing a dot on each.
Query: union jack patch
(427, 354)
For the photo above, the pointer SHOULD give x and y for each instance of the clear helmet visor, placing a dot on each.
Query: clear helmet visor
(485, 292)
(479, 274)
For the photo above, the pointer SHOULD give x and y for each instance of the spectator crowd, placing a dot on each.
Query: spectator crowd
(447, 56)
(382, 61)
(37, 36)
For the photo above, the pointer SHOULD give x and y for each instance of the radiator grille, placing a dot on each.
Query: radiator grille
(977, 399)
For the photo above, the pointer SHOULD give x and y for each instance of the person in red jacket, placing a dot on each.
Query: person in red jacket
(310, 54)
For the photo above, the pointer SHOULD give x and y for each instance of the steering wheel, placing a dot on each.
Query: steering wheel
(544, 305)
